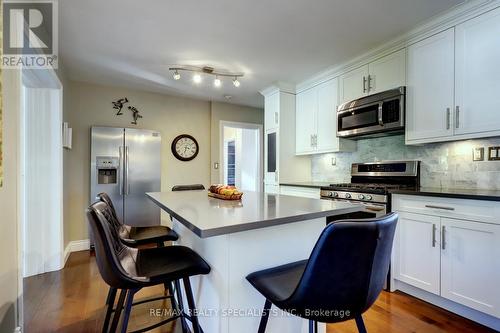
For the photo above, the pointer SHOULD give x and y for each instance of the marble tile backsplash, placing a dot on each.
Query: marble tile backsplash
(446, 165)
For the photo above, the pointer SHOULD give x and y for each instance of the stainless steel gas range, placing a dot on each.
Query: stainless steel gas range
(371, 184)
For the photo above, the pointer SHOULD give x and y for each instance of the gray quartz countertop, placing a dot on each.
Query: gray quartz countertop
(474, 194)
(208, 217)
(306, 184)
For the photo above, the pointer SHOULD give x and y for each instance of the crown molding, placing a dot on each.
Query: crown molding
(441, 22)
(278, 86)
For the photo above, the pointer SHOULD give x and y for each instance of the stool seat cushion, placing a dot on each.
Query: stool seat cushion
(278, 283)
(169, 263)
(146, 235)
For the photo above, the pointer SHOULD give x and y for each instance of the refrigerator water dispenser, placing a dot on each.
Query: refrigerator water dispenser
(107, 169)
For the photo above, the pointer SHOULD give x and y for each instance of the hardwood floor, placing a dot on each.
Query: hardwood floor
(72, 300)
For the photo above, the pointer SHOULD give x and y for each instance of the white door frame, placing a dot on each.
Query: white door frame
(260, 128)
(42, 79)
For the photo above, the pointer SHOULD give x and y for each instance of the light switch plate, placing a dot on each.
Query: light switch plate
(334, 161)
(478, 154)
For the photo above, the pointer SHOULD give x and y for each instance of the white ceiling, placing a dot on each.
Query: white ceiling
(132, 43)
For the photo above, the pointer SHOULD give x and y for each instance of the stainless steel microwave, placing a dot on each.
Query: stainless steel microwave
(375, 115)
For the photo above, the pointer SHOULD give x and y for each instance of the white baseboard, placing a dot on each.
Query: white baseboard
(75, 246)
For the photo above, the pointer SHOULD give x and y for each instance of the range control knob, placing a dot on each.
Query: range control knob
(361, 197)
(333, 194)
(347, 196)
(368, 197)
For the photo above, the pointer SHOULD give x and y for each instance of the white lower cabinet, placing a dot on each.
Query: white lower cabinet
(438, 249)
(470, 264)
(417, 259)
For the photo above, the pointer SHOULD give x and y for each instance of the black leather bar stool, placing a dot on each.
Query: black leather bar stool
(131, 269)
(135, 236)
(192, 187)
(342, 278)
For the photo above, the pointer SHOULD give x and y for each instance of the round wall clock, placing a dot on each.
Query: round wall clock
(185, 147)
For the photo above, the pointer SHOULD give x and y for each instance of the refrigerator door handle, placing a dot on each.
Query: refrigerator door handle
(121, 174)
(126, 190)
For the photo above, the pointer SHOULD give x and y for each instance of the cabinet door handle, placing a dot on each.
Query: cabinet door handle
(276, 118)
(457, 116)
(434, 235)
(364, 84)
(439, 207)
(448, 118)
(443, 237)
(370, 88)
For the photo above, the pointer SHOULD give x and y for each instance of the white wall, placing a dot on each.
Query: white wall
(228, 112)
(249, 165)
(11, 89)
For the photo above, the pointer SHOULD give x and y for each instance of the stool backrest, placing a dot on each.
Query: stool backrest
(191, 187)
(347, 268)
(115, 260)
(104, 197)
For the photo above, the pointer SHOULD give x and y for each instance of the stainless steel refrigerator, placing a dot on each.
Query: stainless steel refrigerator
(126, 163)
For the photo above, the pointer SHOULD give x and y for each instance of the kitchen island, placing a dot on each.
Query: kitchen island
(239, 237)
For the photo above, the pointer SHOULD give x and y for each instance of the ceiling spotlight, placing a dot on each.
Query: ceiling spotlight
(177, 76)
(217, 82)
(236, 82)
(197, 78)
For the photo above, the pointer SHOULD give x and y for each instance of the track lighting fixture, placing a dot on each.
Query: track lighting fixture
(198, 71)
(176, 75)
(197, 78)
(217, 82)
(236, 83)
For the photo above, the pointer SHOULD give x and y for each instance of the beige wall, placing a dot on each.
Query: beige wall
(91, 105)
(11, 87)
(228, 112)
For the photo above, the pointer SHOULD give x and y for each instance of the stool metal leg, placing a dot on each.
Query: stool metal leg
(180, 305)
(265, 316)
(360, 324)
(110, 302)
(118, 311)
(192, 308)
(128, 309)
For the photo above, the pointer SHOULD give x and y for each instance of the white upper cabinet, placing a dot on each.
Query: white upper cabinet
(306, 122)
(316, 121)
(470, 269)
(271, 111)
(430, 88)
(326, 139)
(354, 84)
(387, 73)
(477, 75)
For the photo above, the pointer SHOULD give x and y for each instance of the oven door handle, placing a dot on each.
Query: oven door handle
(380, 114)
(375, 208)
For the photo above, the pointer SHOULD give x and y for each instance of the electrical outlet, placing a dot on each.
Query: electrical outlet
(334, 161)
(494, 153)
